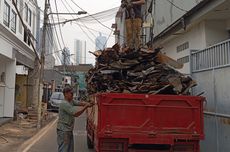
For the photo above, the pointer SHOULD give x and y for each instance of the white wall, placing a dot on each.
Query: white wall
(2, 89)
(10, 89)
(215, 31)
(165, 13)
(196, 38)
(228, 24)
(21, 70)
(6, 47)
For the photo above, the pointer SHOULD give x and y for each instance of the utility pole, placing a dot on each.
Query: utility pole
(37, 62)
(41, 76)
(64, 59)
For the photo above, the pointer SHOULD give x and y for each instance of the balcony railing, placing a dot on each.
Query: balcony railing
(215, 56)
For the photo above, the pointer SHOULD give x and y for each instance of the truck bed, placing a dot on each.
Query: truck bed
(140, 119)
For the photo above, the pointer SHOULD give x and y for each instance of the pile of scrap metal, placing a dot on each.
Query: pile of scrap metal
(143, 71)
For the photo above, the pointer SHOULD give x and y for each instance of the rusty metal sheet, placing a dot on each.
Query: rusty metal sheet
(136, 71)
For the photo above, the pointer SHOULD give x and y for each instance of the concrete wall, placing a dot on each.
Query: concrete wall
(2, 90)
(196, 38)
(200, 36)
(165, 13)
(6, 47)
(215, 31)
(216, 89)
(9, 89)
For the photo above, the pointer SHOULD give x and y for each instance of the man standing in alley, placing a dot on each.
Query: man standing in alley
(67, 112)
(133, 21)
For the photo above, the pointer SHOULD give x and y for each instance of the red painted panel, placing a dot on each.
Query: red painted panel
(149, 119)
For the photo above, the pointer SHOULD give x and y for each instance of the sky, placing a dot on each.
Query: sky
(71, 31)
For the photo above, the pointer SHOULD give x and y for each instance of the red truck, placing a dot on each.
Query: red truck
(122, 122)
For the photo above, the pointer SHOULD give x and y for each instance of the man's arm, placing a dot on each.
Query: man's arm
(79, 103)
(140, 2)
(78, 113)
(87, 105)
(72, 110)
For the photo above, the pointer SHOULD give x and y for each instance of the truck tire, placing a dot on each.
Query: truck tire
(89, 143)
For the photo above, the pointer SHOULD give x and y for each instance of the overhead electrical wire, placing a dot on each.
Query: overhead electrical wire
(59, 24)
(91, 16)
(52, 41)
(57, 55)
(92, 41)
(86, 26)
(102, 16)
(97, 15)
(90, 30)
(88, 19)
(56, 31)
(177, 6)
(22, 9)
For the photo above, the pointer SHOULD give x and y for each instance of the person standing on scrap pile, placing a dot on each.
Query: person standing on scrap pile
(133, 22)
(65, 125)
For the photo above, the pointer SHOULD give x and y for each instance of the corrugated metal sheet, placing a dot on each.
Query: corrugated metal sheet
(210, 67)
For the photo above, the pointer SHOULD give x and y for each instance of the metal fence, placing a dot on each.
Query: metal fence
(211, 69)
(212, 57)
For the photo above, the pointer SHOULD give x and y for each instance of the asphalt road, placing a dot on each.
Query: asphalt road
(48, 143)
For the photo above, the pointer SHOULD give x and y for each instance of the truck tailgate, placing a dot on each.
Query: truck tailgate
(148, 119)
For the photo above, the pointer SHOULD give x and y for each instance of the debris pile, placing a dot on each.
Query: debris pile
(141, 71)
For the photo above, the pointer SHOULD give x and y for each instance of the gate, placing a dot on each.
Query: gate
(211, 68)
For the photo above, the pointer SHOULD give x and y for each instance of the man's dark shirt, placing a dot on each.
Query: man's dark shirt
(134, 12)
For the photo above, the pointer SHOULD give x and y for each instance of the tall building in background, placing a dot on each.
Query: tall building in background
(80, 51)
(100, 42)
(66, 56)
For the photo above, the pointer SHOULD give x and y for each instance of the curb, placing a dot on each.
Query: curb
(30, 142)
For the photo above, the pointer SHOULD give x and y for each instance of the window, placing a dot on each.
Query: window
(182, 47)
(30, 17)
(183, 60)
(26, 12)
(21, 13)
(25, 35)
(6, 14)
(34, 18)
(13, 21)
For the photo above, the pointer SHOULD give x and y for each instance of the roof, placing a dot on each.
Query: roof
(182, 22)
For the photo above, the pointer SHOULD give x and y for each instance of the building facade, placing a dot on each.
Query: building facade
(66, 56)
(16, 50)
(190, 26)
(101, 42)
(80, 51)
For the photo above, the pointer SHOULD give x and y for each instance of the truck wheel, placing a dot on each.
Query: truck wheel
(89, 143)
